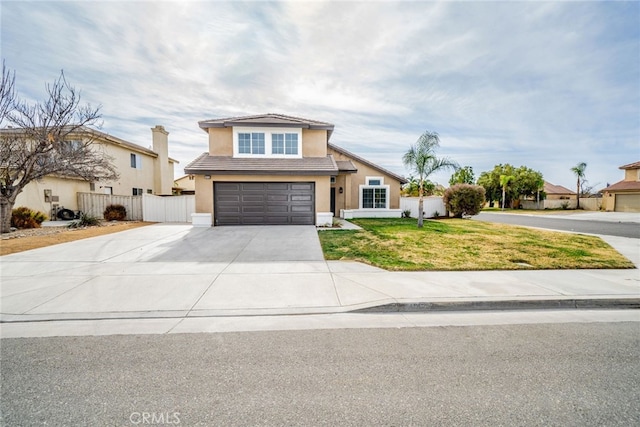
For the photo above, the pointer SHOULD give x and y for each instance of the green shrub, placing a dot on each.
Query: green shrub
(406, 213)
(464, 199)
(115, 213)
(84, 221)
(23, 217)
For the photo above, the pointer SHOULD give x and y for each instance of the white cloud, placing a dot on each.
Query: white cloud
(541, 84)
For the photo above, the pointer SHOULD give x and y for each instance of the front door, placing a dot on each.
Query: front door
(333, 202)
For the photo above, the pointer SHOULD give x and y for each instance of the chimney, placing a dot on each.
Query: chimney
(163, 172)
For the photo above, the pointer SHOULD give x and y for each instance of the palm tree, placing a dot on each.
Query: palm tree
(578, 170)
(504, 183)
(421, 159)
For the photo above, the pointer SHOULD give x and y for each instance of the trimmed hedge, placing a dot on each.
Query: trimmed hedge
(464, 199)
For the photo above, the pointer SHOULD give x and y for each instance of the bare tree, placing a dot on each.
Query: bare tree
(7, 93)
(53, 137)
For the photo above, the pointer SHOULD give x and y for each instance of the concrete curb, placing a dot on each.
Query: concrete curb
(562, 304)
(396, 307)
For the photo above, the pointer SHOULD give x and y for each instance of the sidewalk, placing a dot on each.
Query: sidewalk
(130, 275)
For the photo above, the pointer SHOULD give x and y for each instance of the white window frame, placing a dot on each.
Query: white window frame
(368, 180)
(138, 161)
(268, 142)
(387, 193)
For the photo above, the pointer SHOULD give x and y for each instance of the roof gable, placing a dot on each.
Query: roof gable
(550, 188)
(635, 165)
(341, 150)
(267, 120)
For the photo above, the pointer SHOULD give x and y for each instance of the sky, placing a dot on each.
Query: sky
(545, 85)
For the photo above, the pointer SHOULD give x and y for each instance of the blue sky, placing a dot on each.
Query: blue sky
(541, 84)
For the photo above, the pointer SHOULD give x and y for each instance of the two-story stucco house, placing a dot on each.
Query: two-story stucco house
(141, 170)
(278, 169)
(624, 196)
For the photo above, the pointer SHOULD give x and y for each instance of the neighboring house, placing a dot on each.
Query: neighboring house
(142, 170)
(624, 196)
(185, 185)
(277, 169)
(558, 192)
(557, 197)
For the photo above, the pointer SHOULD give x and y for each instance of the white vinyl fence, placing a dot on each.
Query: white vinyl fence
(431, 206)
(168, 209)
(94, 204)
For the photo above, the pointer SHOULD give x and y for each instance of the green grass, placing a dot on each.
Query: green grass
(459, 244)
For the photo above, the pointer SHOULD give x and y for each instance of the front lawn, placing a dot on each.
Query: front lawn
(462, 244)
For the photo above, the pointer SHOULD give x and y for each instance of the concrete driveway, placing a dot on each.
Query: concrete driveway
(174, 277)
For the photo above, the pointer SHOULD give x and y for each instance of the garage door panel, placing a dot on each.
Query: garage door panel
(307, 186)
(253, 203)
(252, 186)
(284, 186)
(277, 208)
(277, 197)
(228, 186)
(627, 203)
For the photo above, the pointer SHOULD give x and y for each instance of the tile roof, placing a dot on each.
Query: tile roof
(635, 165)
(94, 133)
(366, 162)
(624, 186)
(346, 166)
(550, 188)
(227, 165)
(268, 120)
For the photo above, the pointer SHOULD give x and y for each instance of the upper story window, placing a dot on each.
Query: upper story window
(267, 142)
(251, 143)
(71, 147)
(284, 143)
(136, 161)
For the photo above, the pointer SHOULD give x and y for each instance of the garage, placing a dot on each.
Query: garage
(264, 203)
(627, 203)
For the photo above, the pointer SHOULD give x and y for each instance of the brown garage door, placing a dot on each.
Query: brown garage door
(627, 203)
(263, 203)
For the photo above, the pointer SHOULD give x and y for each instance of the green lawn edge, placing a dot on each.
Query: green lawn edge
(397, 244)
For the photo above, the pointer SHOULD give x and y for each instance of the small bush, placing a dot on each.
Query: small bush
(406, 213)
(564, 206)
(23, 217)
(464, 199)
(115, 213)
(436, 214)
(84, 221)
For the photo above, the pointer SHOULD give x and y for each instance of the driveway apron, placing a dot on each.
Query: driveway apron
(168, 270)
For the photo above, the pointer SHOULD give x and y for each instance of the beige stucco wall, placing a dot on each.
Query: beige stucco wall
(163, 168)
(221, 141)
(632, 175)
(204, 188)
(352, 191)
(185, 183)
(130, 178)
(33, 194)
(560, 196)
(314, 143)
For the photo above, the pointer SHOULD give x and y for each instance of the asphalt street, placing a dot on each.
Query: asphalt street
(620, 229)
(552, 374)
